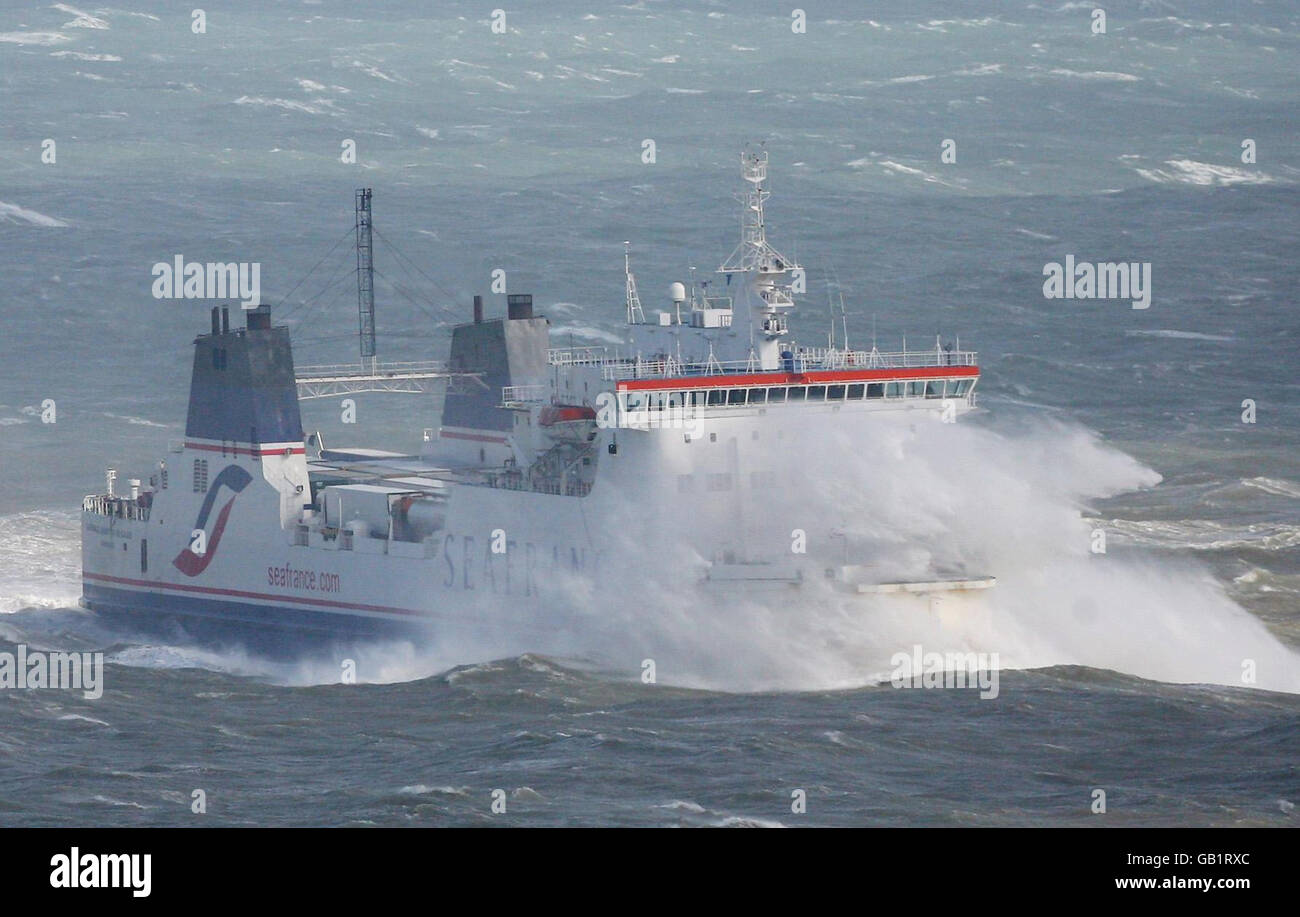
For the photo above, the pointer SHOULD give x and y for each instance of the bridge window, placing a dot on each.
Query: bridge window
(776, 395)
(636, 401)
(736, 396)
(959, 387)
(875, 390)
(757, 395)
(855, 391)
(816, 393)
(717, 396)
(915, 388)
(798, 393)
(834, 393)
(934, 388)
(894, 390)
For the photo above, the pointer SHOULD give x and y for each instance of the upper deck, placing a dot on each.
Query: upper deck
(816, 364)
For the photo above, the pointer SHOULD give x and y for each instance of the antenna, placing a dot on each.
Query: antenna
(844, 322)
(754, 252)
(634, 314)
(830, 308)
(365, 276)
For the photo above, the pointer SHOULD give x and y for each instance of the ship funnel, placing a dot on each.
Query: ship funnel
(242, 388)
(258, 318)
(519, 305)
(478, 310)
(216, 320)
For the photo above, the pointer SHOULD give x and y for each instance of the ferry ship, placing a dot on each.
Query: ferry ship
(252, 530)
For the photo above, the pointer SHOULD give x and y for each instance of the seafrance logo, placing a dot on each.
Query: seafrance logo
(195, 558)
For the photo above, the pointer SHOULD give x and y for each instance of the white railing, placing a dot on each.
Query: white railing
(805, 359)
(671, 369)
(833, 358)
(576, 356)
(378, 369)
(118, 507)
(517, 394)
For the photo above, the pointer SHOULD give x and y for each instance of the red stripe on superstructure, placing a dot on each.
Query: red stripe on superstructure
(213, 590)
(237, 450)
(741, 380)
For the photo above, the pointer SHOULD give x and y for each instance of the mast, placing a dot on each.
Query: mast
(634, 314)
(365, 276)
(765, 289)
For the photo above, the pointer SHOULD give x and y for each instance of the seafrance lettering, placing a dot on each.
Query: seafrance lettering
(289, 577)
(470, 564)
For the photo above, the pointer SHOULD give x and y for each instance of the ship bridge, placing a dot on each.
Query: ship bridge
(807, 375)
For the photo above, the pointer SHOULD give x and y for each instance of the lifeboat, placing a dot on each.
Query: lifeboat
(575, 423)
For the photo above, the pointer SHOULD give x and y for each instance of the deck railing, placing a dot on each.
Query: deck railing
(615, 366)
(523, 394)
(115, 507)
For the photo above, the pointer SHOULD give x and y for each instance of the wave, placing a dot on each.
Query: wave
(34, 38)
(12, 213)
(1191, 172)
(82, 55)
(318, 107)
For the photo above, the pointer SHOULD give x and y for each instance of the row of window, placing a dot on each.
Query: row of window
(916, 388)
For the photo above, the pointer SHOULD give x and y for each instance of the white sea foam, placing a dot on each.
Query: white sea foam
(1177, 335)
(138, 421)
(372, 70)
(34, 38)
(1214, 535)
(1103, 75)
(1274, 486)
(81, 55)
(318, 107)
(1191, 172)
(917, 495)
(40, 561)
(83, 19)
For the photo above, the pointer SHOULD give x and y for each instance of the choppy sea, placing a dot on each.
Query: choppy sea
(524, 149)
